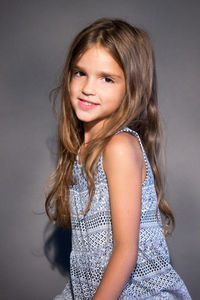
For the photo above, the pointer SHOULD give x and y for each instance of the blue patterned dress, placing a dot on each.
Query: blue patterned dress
(152, 278)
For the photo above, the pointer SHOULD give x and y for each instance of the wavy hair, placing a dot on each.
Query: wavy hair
(132, 50)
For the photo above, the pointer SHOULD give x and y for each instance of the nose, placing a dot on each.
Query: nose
(88, 87)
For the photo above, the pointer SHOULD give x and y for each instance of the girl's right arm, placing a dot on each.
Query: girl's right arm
(125, 168)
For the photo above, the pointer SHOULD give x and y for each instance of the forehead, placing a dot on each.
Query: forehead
(98, 57)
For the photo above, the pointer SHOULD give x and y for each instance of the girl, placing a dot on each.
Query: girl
(107, 183)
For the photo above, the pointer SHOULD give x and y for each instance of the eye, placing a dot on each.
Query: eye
(79, 73)
(108, 80)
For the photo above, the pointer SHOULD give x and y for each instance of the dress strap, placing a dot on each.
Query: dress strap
(127, 129)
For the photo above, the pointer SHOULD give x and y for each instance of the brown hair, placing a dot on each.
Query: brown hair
(131, 48)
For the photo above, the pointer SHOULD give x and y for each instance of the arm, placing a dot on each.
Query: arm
(124, 166)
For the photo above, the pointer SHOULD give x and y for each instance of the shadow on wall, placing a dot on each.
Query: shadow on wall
(57, 240)
(57, 247)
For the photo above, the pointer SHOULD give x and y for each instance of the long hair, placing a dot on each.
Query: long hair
(131, 48)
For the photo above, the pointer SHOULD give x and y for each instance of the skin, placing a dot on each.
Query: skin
(98, 78)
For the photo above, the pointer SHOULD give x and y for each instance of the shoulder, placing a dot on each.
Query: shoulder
(123, 148)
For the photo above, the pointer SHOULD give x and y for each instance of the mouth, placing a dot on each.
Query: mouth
(87, 102)
(86, 105)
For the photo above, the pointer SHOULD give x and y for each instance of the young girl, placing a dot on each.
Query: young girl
(107, 182)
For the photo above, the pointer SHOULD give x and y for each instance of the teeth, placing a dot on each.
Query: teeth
(88, 103)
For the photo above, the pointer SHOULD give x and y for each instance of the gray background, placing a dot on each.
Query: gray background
(35, 36)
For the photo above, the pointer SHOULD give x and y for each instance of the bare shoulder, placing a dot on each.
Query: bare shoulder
(123, 148)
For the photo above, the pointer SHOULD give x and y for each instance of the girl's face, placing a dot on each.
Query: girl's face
(97, 87)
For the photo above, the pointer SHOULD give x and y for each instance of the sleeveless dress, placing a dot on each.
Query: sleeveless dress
(153, 276)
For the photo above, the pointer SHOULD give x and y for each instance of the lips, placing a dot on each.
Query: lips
(87, 102)
(86, 105)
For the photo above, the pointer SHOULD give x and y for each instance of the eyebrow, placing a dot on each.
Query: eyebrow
(101, 73)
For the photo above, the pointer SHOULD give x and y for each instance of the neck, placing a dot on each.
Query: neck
(91, 130)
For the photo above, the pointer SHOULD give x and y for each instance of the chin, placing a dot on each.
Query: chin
(83, 117)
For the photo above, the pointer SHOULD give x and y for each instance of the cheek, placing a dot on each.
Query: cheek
(73, 89)
(114, 96)
(108, 93)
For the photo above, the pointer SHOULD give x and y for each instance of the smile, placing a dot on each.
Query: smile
(86, 104)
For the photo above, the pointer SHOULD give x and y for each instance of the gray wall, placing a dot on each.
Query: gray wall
(34, 40)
